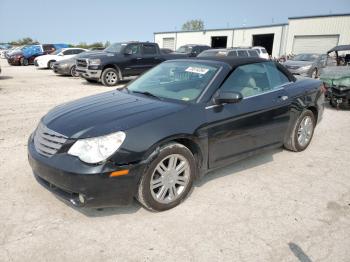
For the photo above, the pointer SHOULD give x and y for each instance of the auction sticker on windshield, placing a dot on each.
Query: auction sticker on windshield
(197, 70)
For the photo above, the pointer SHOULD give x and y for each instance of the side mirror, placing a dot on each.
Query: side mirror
(60, 54)
(227, 97)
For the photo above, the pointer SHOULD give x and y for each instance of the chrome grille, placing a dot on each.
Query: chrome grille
(47, 142)
(81, 62)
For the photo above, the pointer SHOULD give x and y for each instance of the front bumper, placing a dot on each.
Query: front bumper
(14, 61)
(337, 96)
(62, 70)
(89, 73)
(68, 177)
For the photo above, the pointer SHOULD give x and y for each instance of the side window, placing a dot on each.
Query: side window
(242, 53)
(255, 79)
(149, 50)
(276, 77)
(78, 51)
(253, 53)
(67, 52)
(232, 53)
(135, 49)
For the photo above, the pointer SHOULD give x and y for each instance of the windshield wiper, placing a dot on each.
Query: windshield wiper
(146, 93)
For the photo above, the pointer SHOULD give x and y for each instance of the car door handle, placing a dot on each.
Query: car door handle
(282, 98)
(138, 58)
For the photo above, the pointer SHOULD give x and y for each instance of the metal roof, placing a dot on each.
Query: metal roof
(222, 29)
(252, 27)
(318, 16)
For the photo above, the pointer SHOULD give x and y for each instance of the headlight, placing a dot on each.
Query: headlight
(305, 67)
(97, 149)
(94, 61)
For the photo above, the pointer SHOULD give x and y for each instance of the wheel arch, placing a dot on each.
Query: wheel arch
(189, 141)
(115, 67)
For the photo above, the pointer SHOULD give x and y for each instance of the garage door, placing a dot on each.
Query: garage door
(314, 44)
(169, 43)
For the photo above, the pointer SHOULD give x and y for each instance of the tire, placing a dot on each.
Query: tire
(50, 64)
(110, 77)
(73, 72)
(295, 142)
(161, 198)
(314, 73)
(24, 61)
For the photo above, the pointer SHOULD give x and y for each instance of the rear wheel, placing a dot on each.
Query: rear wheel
(302, 132)
(73, 72)
(24, 61)
(168, 179)
(110, 77)
(50, 64)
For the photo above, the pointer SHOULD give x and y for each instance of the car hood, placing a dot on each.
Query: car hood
(106, 113)
(298, 63)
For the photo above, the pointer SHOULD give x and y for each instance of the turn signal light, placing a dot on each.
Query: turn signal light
(119, 173)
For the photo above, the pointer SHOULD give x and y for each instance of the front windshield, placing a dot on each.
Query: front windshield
(115, 48)
(178, 80)
(184, 49)
(305, 57)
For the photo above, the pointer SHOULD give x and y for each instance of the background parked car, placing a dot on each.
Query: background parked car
(166, 50)
(308, 65)
(120, 60)
(261, 51)
(47, 61)
(192, 50)
(26, 54)
(336, 76)
(235, 52)
(67, 66)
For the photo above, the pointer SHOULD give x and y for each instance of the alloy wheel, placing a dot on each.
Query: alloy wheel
(305, 131)
(170, 178)
(111, 78)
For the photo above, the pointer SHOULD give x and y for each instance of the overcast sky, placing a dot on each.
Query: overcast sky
(74, 21)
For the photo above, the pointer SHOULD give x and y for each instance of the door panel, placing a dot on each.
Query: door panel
(238, 130)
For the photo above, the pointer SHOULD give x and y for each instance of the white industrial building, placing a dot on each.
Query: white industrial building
(315, 34)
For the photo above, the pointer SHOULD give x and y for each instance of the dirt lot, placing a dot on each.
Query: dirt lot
(278, 206)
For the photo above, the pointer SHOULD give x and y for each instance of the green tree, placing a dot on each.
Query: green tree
(193, 25)
(25, 41)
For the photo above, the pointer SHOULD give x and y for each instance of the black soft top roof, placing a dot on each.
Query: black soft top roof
(233, 61)
(339, 48)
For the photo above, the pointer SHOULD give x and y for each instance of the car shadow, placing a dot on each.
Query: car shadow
(103, 212)
(5, 77)
(245, 164)
(121, 83)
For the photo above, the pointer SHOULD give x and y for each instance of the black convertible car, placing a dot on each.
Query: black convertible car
(176, 122)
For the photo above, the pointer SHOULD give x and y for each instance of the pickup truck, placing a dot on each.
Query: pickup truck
(121, 60)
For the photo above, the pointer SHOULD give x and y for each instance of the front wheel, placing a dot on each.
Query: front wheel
(110, 77)
(302, 132)
(73, 72)
(168, 179)
(50, 64)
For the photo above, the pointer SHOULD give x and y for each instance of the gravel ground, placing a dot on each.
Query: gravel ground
(277, 206)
